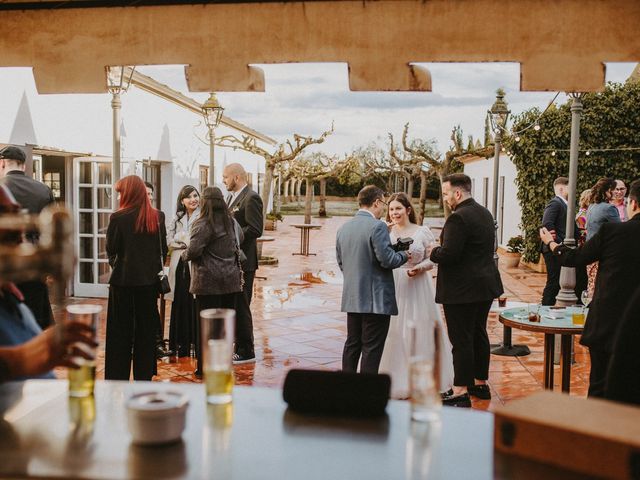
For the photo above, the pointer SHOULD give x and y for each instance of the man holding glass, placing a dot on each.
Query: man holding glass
(615, 247)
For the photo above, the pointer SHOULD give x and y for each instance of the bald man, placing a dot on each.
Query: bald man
(246, 206)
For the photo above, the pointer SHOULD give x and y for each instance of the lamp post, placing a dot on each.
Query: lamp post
(212, 113)
(499, 113)
(118, 81)
(566, 296)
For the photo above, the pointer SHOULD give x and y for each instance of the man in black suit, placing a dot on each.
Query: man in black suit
(468, 281)
(554, 219)
(246, 206)
(32, 196)
(615, 247)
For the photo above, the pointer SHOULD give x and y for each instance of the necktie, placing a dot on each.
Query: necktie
(229, 197)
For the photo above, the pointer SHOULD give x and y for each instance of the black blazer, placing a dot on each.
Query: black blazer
(29, 193)
(555, 218)
(615, 246)
(247, 210)
(467, 272)
(134, 257)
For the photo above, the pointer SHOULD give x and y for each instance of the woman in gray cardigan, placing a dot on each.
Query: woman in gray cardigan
(216, 274)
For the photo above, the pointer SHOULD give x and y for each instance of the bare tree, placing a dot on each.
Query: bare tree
(285, 152)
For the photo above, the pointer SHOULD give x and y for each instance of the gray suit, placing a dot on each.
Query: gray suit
(366, 258)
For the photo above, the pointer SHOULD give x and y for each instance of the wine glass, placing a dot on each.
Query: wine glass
(585, 296)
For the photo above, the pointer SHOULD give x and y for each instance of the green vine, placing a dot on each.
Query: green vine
(611, 119)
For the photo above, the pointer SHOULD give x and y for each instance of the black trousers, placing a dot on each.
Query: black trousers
(598, 376)
(366, 334)
(244, 319)
(132, 323)
(36, 297)
(210, 301)
(552, 287)
(467, 329)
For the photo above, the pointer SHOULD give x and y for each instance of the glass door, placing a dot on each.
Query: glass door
(92, 208)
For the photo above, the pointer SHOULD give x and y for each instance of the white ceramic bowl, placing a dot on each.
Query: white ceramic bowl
(156, 417)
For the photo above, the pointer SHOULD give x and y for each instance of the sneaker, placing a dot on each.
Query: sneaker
(480, 391)
(462, 401)
(239, 358)
(161, 352)
(446, 394)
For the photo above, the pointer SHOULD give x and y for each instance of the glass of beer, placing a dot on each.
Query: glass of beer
(217, 327)
(82, 380)
(577, 316)
(424, 381)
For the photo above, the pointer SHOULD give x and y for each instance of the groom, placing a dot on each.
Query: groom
(366, 258)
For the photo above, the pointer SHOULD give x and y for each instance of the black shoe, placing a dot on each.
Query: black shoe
(242, 357)
(480, 391)
(198, 374)
(446, 394)
(161, 352)
(462, 401)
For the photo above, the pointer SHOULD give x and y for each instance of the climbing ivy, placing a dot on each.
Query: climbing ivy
(611, 119)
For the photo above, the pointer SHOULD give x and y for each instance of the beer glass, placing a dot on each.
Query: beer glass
(82, 380)
(424, 373)
(217, 327)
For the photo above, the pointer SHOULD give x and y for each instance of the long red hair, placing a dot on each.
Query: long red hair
(133, 195)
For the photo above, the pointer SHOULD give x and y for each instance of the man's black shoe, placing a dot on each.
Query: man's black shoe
(480, 391)
(463, 401)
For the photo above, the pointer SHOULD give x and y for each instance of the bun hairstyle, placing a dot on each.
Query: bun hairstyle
(403, 198)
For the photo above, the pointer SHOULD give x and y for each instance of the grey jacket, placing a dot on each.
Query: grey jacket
(214, 264)
(366, 258)
(598, 214)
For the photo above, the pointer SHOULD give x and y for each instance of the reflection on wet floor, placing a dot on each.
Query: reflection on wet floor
(298, 323)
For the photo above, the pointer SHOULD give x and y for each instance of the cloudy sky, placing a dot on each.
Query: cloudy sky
(300, 98)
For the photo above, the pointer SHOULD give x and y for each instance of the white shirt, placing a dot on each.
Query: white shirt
(562, 198)
(235, 194)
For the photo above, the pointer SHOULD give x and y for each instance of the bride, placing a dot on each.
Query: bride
(415, 295)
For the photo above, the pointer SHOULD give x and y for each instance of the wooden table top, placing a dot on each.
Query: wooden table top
(45, 434)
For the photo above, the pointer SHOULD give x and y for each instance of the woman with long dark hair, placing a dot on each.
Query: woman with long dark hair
(214, 252)
(182, 325)
(136, 247)
(418, 315)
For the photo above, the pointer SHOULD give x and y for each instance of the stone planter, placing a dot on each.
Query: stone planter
(511, 260)
(271, 225)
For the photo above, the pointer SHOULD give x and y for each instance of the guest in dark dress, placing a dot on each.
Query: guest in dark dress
(136, 246)
(182, 326)
(214, 252)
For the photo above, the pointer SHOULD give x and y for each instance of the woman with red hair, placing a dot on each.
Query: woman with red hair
(136, 240)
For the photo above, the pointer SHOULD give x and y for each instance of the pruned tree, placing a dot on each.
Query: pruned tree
(287, 151)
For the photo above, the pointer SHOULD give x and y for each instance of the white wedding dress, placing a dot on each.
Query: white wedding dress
(416, 309)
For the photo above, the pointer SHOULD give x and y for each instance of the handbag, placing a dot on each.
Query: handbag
(239, 252)
(164, 286)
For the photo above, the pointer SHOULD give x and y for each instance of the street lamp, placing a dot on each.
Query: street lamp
(118, 81)
(499, 113)
(567, 296)
(212, 112)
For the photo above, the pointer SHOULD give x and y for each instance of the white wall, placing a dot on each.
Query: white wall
(509, 209)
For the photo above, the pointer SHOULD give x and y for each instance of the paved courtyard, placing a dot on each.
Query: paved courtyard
(298, 323)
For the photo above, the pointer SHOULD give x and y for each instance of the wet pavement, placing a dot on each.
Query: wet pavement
(298, 323)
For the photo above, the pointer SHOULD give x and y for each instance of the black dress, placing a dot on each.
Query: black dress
(182, 326)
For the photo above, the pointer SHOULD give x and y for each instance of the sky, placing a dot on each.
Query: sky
(298, 98)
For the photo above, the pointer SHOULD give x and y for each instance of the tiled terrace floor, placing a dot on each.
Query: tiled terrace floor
(298, 323)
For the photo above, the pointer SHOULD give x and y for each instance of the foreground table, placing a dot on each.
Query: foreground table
(550, 326)
(45, 434)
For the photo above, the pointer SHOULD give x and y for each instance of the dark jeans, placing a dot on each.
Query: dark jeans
(132, 323)
(36, 297)
(366, 334)
(467, 329)
(598, 375)
(210, 301)
(244, 319)
(552, 287)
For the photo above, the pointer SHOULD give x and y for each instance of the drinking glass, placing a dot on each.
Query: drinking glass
(585, 296)
(424, 370)
(577, 315)
(534, 312)
(82, 380)
(217, 326)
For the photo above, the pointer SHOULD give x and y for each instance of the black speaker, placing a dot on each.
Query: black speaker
(337, 393)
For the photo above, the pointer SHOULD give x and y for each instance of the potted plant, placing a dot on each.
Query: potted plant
(515, 247)
(271, 220)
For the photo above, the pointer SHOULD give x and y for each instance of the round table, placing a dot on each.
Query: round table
(553, 321)
(304, 236)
